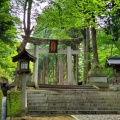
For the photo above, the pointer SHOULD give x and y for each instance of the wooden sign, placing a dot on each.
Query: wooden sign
(53, 46)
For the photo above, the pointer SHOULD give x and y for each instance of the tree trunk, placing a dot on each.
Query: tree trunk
(75, 67)
(86, 55)
(111, 52)
(45, 70)
(57, 70)
(94, 46)
(26, 24)
(94, 42)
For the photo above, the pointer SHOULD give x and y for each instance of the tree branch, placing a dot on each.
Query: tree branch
(24, 16)
(28, 17)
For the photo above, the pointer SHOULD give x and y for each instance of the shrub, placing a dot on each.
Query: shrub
(97, 70)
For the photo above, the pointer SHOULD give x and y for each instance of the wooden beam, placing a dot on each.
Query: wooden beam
(43, 41)
(41, 51)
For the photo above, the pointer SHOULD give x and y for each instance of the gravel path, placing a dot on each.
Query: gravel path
(96, 117)
(75, 117)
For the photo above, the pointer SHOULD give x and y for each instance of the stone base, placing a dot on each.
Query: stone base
(97, 79)
(114, 80)
(114, 87)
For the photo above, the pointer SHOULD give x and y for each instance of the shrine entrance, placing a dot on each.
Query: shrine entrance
(57, 60)
(52, 69)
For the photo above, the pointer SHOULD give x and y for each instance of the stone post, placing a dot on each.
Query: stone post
(24, 92)
(35, 71)
(4, 109)
(69, 65)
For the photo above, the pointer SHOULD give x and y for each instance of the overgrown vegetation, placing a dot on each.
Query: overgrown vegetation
(97, 71)
(8, 41)
(14, 103)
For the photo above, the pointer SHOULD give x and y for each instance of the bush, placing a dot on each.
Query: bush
(97, 70)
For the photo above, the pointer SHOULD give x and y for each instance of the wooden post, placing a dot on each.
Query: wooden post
(69, 65)
(24, 93)
(76, 69)
(35, 72)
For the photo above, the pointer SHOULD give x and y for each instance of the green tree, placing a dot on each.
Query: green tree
(7, 27)
(7, 40)
(7, 67)
(27, 10)
(62, 15)
(112, 23)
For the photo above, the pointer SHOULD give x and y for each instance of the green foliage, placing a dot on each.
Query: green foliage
(7, 67)
(106, 48)
(97, 70)
(113, 25)
(14, 103)
(65, 14)
(7, 27)
(69, 18)
(64, 18)
(8, 42)
(112, 21)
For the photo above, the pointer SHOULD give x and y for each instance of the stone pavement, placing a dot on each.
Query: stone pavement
(97, 117)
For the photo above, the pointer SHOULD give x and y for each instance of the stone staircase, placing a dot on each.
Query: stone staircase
(80, 87)
(86, 100)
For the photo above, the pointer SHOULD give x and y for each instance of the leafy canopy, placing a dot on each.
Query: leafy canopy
(8, 42)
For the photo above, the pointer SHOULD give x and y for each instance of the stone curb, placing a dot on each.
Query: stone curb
(74, 117)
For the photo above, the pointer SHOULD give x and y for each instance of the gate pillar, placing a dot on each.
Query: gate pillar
(35, 70)
(69, 65)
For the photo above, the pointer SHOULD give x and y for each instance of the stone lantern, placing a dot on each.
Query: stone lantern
(23, 59)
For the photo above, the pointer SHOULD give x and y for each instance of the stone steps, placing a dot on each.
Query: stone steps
(47, 86)
(74, 101)
(71, 112)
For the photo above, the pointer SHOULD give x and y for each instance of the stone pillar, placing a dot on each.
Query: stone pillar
(3, 110)
(35, 71)
(69, 65)
(24, 92)
(60, 72)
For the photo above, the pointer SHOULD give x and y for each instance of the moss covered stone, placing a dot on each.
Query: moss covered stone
(14, 103)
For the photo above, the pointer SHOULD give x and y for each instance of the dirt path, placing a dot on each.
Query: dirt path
(44, 118)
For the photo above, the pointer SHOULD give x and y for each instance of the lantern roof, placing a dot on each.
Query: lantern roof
(113, 61)
(24, 55)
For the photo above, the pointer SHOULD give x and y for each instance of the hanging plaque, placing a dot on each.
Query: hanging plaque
(53, 46)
